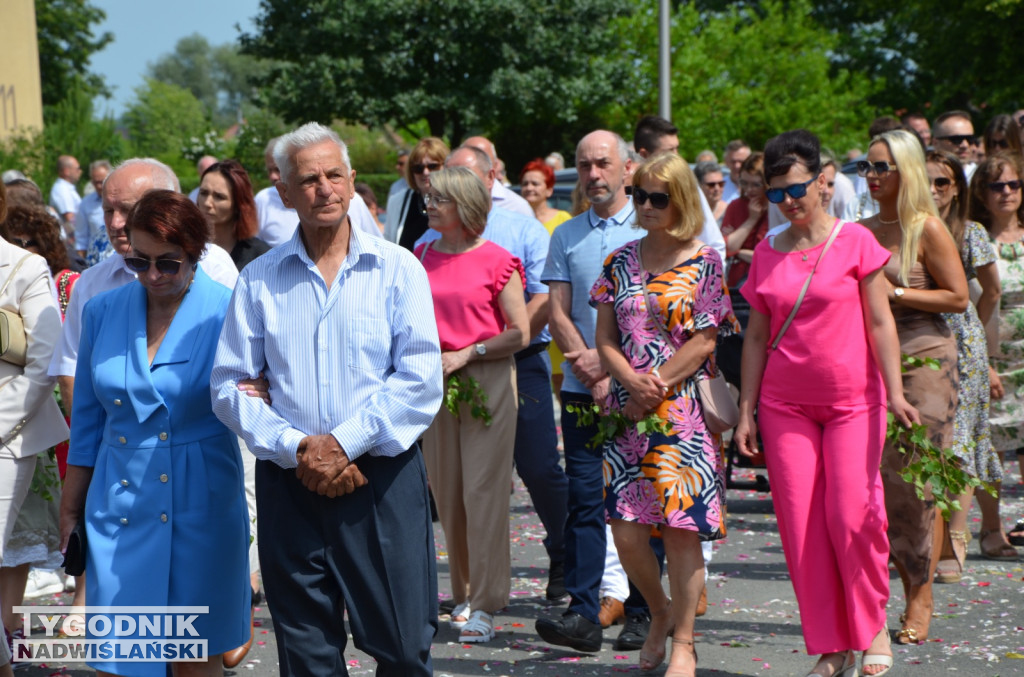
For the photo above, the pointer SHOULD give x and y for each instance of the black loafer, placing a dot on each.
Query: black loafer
(571, 630)
(446, 606)
(634, 633)
(556, 582)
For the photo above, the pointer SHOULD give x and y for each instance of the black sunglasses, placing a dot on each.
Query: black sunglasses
(658, 200)
(715, 184)
(957, 139)
(941, 182)
(421, 167)
(795, 191)
(879, 168)
(1000, 186)
(999, 143)
(137, 264)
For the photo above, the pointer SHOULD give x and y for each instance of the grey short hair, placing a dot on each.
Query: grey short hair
(702, 169)
(269, 148)
(483, 160)
(309, 134)
(467, 191)
(99, 164)
(164, 177)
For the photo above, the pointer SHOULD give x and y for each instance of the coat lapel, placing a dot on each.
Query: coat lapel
(138, 382)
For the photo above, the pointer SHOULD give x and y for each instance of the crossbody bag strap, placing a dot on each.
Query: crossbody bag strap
(647, 302)
(14, 272)
(423, 254)
(807, 283)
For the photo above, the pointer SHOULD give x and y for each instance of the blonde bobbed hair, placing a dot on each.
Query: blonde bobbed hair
(683, 192)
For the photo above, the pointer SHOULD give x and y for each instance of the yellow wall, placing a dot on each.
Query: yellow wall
(21, 97)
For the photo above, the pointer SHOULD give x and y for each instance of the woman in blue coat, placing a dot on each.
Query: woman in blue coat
(156, 476)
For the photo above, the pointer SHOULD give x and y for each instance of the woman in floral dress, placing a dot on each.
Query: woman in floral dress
(671, 481)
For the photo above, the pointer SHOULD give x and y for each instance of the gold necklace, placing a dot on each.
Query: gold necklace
(887, 223)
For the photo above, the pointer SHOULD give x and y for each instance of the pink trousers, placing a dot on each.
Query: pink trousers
(823, 462)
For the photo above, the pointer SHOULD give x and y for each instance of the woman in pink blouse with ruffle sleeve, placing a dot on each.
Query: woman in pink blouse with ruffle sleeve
(481, 321)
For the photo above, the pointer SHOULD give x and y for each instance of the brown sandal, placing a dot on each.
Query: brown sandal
(951, 568)
(1004, 552)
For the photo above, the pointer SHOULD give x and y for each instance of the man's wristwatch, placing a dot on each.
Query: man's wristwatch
(898, 292)
(480, 349)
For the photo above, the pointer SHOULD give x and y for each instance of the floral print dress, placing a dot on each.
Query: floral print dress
(676, 479)
(1006, 416)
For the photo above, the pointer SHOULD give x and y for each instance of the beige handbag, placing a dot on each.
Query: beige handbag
(716, 400)
(13, 342)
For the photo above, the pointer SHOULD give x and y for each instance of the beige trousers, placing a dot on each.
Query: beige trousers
(470, 470)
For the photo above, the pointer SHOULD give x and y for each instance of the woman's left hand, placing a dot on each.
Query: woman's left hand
(648, 390)
(904, 412)
(256, 387)
(453, 360)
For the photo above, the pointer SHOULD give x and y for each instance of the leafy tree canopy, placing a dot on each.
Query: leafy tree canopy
(461, 65)
(163, 118)
(66, 43)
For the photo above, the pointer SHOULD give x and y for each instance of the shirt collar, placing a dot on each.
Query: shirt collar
(359, 245)
(622, 217)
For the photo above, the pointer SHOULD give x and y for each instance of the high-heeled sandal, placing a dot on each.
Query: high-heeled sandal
(951, 570)
(877, 659)
(847, 669)
(683, 642)
(651, 660)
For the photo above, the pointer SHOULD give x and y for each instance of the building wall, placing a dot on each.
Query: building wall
(21, 97)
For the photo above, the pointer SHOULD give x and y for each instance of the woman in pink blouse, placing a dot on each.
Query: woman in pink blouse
(481, 320)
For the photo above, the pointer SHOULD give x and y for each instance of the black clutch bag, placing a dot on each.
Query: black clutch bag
(74, 556)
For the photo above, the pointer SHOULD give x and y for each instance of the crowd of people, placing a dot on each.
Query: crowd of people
(295, 380)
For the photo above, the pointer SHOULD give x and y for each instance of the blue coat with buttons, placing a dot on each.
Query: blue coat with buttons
(166, 518)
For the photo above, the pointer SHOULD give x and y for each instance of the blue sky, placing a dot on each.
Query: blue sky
(144, 30)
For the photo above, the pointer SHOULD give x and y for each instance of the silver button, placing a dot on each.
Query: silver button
(122, 440)
(163, 517)
(117, 403)
(124, 483)
(163, 436)
(124, 520)
(163, 478)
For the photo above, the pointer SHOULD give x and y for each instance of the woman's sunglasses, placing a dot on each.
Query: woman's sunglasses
(421, 167)
(658, 200)
(941, 182)
(1000, 186)
(795, 191)
(879, 168)
(137, 264)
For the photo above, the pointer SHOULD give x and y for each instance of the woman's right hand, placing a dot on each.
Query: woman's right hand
(648, 390)
(995, 387)
(745, 436)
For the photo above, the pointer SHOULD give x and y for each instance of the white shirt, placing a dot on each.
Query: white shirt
(112, 273)
(507, 199)
(278, 223)
(711, 234)
(194, 195)
(64, 197)
(730, 192)
(90, 231)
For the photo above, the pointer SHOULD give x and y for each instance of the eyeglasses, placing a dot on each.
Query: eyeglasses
(658, 200)
(957, 139)
(795, 191)
(421, 167)
(715, 184)
(879, 168)
(1000, 186)
(999, 143)
(137, 264)
(744, 185)
(940, 182)
(435, 200)
(23, 243)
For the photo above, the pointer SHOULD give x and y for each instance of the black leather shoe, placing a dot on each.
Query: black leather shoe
(571, 630)
(556, 582)
(446, 606)
(634, 632)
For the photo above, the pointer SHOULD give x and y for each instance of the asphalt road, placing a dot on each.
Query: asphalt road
(752, 625)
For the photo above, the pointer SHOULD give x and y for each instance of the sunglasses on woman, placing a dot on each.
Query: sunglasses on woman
(421, 167)
(879, 168)
(658, 200)
(139, 265)
(1000, 186)
(795, 191)
(940, 182)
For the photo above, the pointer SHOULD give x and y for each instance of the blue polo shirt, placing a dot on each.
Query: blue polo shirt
(578, 250)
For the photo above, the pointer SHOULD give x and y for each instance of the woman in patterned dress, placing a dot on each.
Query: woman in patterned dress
(673, 481)
(996, 203)
(972, 441)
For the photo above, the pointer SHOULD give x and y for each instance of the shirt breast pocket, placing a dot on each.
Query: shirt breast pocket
(368, 344)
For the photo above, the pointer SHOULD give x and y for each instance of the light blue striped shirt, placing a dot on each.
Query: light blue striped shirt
(360, 361)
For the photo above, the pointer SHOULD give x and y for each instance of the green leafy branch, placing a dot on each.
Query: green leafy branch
(613, 424)
(46, 479)
(927, 464)
(462, 388)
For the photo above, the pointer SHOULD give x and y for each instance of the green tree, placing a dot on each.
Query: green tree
(66, 43)
(461, 65)
(748, 72)
(162, 119)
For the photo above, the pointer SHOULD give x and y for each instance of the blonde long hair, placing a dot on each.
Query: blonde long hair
(914, 201)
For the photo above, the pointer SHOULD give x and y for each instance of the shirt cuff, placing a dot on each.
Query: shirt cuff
(288, 447)
(352, 439)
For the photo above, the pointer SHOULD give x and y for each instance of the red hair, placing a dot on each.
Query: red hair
(172, 218)
(244, 205)
(538, 165)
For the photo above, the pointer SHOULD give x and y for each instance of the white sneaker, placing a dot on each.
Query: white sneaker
(42, 582)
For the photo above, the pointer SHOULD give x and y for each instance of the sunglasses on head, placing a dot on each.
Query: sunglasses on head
(1000, 186)
(658, 200)
(421, 167)
(879, 168)
(795, 191)
(941, 182)
(138, 264)
(957, 139)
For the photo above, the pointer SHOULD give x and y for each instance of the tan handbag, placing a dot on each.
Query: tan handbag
(716, 400)
(13, 342)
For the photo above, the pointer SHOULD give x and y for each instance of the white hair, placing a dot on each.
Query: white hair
(309, 134)
(163, 176)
